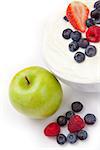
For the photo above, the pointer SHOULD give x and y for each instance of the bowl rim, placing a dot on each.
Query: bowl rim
(58, 75)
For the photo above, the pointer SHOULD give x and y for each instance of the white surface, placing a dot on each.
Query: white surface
(21, 26)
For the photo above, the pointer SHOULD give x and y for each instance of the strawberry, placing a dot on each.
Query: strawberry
(77, 13)
(76, 123)
(52, 129)
(93, 34)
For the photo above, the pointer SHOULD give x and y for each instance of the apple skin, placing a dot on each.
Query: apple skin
(35, 92)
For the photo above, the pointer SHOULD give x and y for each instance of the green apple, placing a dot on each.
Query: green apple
(35, 92)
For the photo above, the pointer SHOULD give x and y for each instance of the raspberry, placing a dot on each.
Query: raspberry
(76, 123)
(52, 129)
(93, 34)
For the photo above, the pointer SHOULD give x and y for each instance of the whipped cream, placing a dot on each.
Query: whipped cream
(61, 60)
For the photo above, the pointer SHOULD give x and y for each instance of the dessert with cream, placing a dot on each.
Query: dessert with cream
(72, 43)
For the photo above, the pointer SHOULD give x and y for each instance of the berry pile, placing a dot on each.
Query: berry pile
(79, 42)
(81, 23)
(75, 124)
(95, 15)
(93, 33)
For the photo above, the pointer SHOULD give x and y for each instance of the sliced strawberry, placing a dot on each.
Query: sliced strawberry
(93, 34)
(77, 13)
(52, 129)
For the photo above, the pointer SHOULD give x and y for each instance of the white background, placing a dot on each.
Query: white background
(21, 34)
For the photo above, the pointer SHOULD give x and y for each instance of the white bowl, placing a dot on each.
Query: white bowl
(83, 77)
(84, 87)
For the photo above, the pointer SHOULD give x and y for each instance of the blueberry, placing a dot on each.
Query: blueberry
(97, 21)
(76, 36)
(61, 139)
(77, 106)
(96, 15)
(83, 43)
(67, 33)
(82, 135)
(69, 114)
(91, 51)
(79, 57)
(72, 138)
(73, 46)
(62, 120)
(90, 22)
(97, 4)
(65, 18)
(90, 119)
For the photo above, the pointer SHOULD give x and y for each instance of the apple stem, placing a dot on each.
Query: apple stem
(27, 80)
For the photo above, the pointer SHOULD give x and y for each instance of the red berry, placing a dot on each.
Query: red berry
(77, 14)
(76, 123)
(52, 129)
(93, 34)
